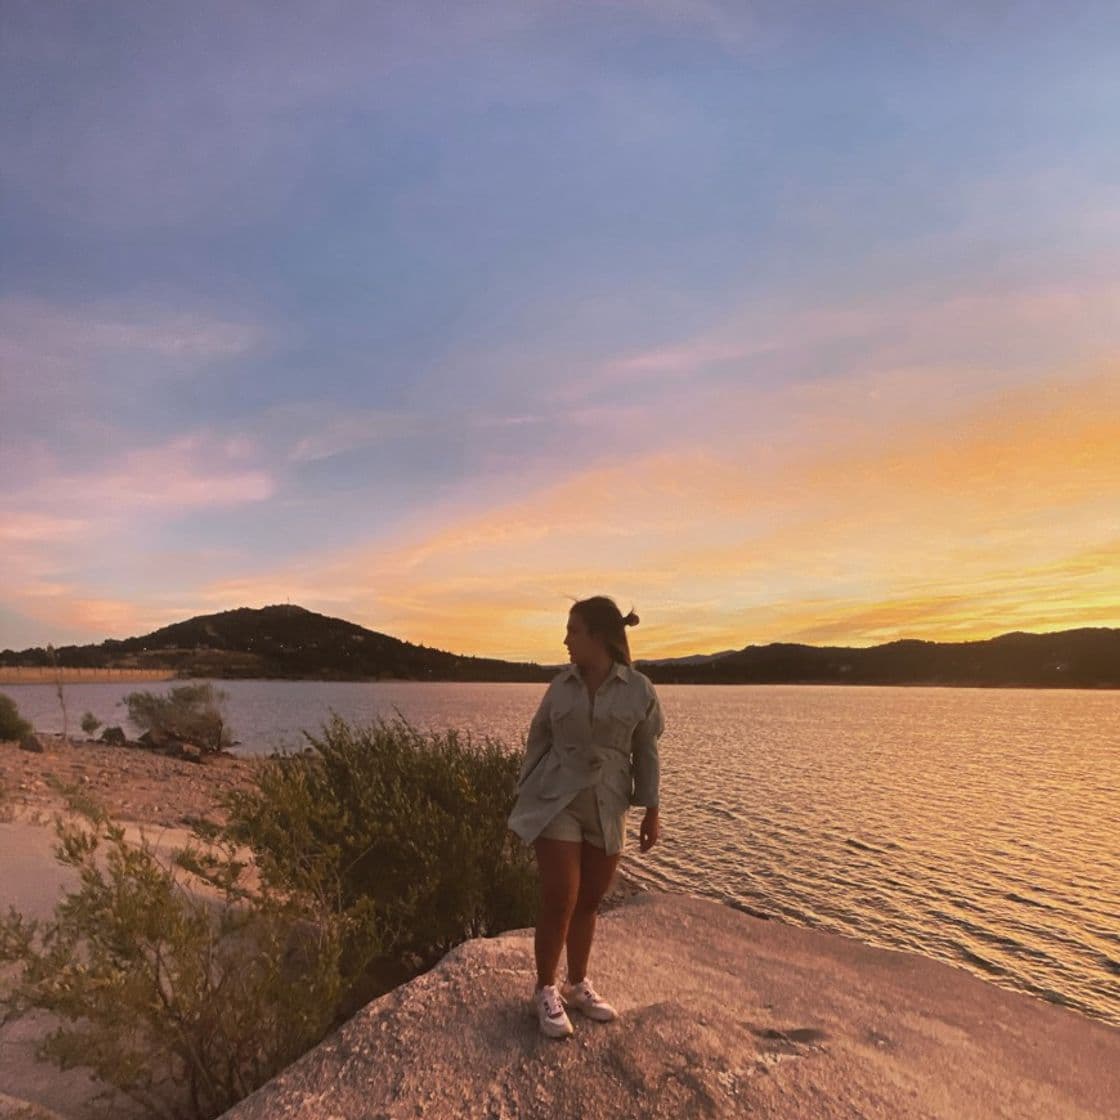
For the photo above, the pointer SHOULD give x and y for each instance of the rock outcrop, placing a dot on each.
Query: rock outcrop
(13, 1109)
(723, 1015)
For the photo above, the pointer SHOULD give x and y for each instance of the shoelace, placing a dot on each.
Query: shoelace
(552, 1006)
(587, 992)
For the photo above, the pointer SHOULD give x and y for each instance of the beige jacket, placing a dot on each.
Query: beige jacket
(608, 742)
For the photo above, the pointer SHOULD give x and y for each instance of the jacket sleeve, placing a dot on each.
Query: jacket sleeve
(539, 740)
(645, 759)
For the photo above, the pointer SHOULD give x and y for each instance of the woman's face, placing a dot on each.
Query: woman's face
(583, 648)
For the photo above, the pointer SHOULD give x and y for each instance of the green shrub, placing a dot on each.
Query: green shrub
(90, 723)
(409, 828)
(182, 1003)
(191, 713)
(377, 852)
(12, 724)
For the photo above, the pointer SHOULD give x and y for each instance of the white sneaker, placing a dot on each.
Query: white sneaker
(584, 998)
(551, 1015)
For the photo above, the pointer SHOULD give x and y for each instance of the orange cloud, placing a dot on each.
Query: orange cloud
(863, 509)
(57, 525)
(1008, 519)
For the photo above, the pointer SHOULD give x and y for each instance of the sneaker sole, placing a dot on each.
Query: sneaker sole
(596, 1016)
(548, 1029)
(591, 1013)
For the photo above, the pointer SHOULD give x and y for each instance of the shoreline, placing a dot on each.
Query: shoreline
(142, 787)
(33, 675)
(132, 784)
(18, 674)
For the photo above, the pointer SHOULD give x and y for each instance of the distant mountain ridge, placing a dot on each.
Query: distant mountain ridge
(1085, 658)
(290, 642)
(691, 659)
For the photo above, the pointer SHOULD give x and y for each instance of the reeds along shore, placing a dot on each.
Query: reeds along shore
(15, 674)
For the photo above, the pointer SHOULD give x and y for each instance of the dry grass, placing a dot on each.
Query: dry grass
(15, 674)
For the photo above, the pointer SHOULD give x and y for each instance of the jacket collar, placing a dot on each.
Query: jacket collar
(622, 672)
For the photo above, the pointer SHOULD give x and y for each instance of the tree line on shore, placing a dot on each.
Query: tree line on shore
(288, 642)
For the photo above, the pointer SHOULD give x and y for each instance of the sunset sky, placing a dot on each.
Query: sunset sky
(775, 321)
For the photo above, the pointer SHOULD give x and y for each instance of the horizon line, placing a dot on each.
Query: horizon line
(549, 664)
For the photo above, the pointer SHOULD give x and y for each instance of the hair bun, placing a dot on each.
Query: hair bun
(631, 620)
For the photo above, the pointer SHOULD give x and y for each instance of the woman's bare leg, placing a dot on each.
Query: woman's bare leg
(595, 871)
(558, 864)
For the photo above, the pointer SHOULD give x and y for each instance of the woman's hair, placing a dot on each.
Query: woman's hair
(604, 620)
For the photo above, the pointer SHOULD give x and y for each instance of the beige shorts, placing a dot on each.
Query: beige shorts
(578, 821)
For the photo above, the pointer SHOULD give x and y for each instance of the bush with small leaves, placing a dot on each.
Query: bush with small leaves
(12, 725)
(191, 713)
(180, 1002)
(90, 723)
(409, 827)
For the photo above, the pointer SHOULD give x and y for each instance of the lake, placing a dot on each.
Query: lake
(978, 827)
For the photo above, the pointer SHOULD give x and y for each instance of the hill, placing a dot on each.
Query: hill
(289, 642)
(286, 642)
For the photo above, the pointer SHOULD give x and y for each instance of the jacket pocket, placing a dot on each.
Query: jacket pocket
(564, 711)
(621, 727)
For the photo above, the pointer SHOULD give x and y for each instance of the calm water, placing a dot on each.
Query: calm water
(979, 827)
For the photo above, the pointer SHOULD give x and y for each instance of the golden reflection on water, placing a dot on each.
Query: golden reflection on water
(974, 826)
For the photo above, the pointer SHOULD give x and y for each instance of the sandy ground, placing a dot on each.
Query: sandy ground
(154, 795)
(131, 783)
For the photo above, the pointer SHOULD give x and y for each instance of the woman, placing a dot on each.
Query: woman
(591, 752)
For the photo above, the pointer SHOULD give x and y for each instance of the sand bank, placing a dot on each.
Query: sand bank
(148, 791)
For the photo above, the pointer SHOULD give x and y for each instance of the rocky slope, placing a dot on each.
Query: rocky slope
(724, 1015)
